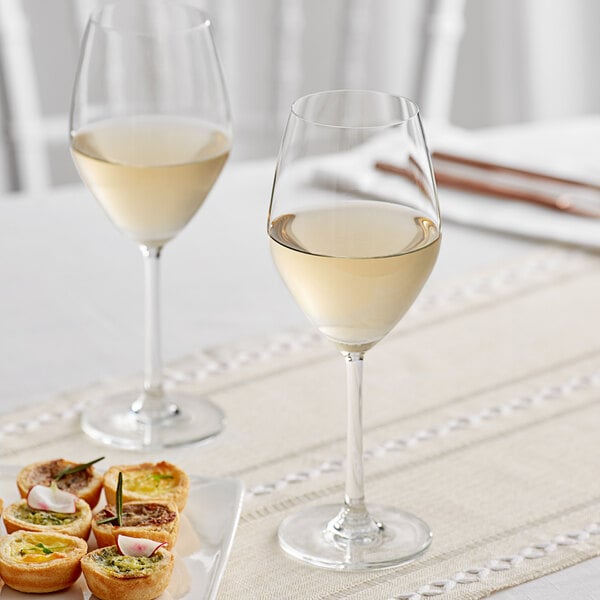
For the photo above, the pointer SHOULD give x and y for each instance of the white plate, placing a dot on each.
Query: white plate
(206, 532)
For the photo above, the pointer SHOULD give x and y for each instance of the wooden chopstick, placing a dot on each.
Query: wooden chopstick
(564, 202)
(498, 167)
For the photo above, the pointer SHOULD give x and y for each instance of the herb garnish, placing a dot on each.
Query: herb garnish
(120, 499)
(160, 476)
(76, 468)
(107, 520)
(36, 548)
(45, 549)
(119, 505)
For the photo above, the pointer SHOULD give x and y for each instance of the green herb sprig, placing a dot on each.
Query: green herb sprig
(76, 468)
(158, 477)
(120, 500)
(45, 549)
(119, 505)
(41, 549)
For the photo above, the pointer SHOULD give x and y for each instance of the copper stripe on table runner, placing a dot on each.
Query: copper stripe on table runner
(481, 412)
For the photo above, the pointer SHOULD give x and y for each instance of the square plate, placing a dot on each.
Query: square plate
(206, 533)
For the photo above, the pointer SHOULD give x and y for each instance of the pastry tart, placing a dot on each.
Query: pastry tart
(110, 574)
(148, 481)
(20, 516)
(36, 562)
(86, 483)
(158, 521)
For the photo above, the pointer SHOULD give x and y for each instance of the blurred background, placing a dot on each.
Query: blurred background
(471, 63)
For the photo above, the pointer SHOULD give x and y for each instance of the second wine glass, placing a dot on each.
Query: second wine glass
(150, 132)
(354, 247)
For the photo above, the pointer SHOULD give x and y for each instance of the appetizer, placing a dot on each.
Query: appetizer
(80, 479)
(49, 509)
(158, 521)
(37, 562)
(149, 482)
(134, 569)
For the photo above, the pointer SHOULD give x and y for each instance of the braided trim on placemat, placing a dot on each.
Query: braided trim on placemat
(511, 407)
(477, 574)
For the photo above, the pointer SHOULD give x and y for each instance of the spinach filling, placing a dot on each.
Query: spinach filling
(126, 566)
(44, 517)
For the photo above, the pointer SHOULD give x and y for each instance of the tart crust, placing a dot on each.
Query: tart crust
(107, 584)
(28, 567)
(86, 484)
(79, 527)
(149, 482)
(157, 520)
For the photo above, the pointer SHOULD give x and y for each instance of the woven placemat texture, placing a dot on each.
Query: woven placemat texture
(482, 412)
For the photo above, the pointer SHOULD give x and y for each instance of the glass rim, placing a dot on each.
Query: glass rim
(204, 21)
(413, 106)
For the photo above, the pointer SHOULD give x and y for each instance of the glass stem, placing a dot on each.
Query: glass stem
(354, 524)
(152, 400)
(153, 381)
(354, 498)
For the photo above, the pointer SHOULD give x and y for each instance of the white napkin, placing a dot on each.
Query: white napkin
(568, 149)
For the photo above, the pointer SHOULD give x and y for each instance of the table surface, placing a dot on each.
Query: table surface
(71, 311)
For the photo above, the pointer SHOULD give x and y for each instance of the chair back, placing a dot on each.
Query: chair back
(272, 51)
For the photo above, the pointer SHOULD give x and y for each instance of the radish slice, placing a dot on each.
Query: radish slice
(52, 499)
(130, 546)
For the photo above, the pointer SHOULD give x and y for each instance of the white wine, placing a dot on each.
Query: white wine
(150, 174)
(355, 269)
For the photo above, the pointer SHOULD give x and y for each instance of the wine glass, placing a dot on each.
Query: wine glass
(354, 244)
(150, 132)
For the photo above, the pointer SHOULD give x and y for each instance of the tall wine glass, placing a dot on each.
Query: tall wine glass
(150, 132)
(354, 245)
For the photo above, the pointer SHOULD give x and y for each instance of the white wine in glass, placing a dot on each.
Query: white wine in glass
(150, 133)
(381, 258)
(354, 247)
(151, 173)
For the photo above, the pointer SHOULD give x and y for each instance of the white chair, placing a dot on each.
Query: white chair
(272, 52)
(31, 129)
(407, 47)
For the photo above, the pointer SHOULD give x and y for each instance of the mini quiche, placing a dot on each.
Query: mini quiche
(111, 574)
(36, 562)
(85, 483)
(21, 516)
(149, 482)
(158, 521)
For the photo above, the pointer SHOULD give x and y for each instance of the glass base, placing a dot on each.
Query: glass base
(184, 420)
(308, 536)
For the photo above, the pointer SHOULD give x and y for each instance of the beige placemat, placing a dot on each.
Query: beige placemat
(482, 413)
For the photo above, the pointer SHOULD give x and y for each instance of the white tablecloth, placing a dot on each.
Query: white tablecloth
(71, 307)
